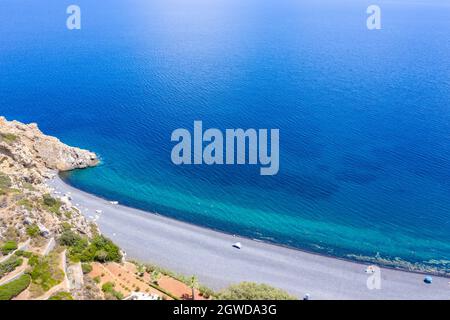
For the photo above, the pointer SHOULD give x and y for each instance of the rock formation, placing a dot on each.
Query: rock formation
(28, 146)
(27, 158)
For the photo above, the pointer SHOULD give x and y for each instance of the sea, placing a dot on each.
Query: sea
(363, 115)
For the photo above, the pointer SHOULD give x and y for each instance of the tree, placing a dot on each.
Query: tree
(69, 238)
(49, 201)
(101, 256)
(155, 276)
(193, 284)
(100, 243)
(33, 230)
(140, 270)
(86, 267)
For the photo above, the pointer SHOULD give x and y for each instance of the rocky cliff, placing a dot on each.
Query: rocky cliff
(27, 159)
(27, 151)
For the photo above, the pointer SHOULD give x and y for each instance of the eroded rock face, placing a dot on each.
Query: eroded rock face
(29, 147)
(27, 158)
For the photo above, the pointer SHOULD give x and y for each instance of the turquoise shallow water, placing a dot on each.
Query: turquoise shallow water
(363, 116)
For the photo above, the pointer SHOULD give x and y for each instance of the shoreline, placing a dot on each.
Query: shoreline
(152, 238)
(364, 260)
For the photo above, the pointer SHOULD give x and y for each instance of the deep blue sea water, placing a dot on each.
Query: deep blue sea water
(364, 116)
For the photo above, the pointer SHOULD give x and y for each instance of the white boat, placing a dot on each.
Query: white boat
(98, 211)
(237, 245)
(114, 202)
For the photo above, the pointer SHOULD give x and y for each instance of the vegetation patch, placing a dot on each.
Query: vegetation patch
(26, 254)
(8, 137)
(151, 268)
(99, 249)
(10, 265)
(45, 272)
(86, 267)
(62, 295)
(206, 292)
(28, 186)
(5, 181)
(5, 185)
(33, 231)
(254, 291)
(66, 226)
(7, 191)
(8, 247)
(26, 203)
(167, 293)
(11, 234)
(14, 288)
(110, 292)
(52, 204)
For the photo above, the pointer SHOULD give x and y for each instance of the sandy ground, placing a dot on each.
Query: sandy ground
(189, 249)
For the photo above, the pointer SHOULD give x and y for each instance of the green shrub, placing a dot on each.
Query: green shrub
(108, 288)
(33, 231)
(101, 256)
(86, 267)
(5, 185)
(118, 295)
(104, 250)
(14, 288)
(155, 276)
(66, 226)
(28, 186)
(69, 238)
(61, 296)
(5, 181)
(100, 249)
(140, 269)
(26, 203)
(8, 137)
(52, 204)
(10, 265)
(254, 291)
(21, 253)
(49, 201)
(45, 271)
(9, 246)
(77, 245)
(206, 292)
